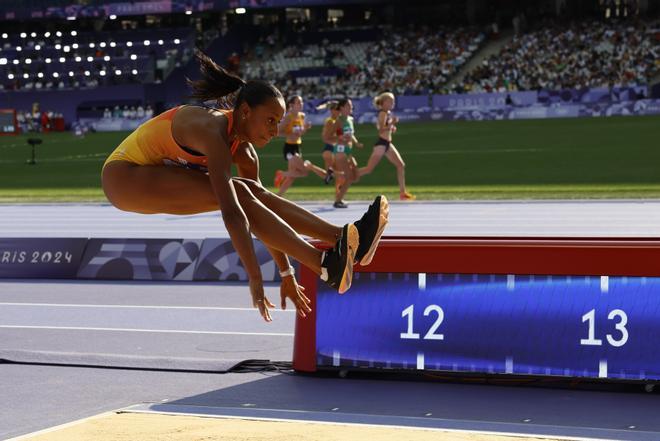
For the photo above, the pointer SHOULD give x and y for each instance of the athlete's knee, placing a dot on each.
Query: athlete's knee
(253, 186)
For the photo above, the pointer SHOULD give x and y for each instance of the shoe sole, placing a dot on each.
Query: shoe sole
(353, 240)
(382, 223)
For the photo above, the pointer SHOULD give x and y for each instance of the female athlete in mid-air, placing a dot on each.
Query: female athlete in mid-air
(386, 125)
(294, 127)
(180, 163)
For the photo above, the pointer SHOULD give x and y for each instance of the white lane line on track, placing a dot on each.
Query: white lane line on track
(72, 305)
(162, 331)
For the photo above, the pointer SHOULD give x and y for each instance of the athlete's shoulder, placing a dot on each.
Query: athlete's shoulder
(197, 118)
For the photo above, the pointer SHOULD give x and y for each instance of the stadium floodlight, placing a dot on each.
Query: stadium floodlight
(37, 47)
(161, 42)
(55, 75)
(90, 59)
(106, 58)
(74, 33)
(48, 60)
(102, 73)
(33, 35)
(92, 45)
(18, 48)
(26, 76)
(47, 34)
(118, 72)
(87, 73)
(58, 33)
(66, 48)
(71, 73)
(102, 44)
(133, 57)
(3, 61)
(240, 10)
(188, 12)
(147, 42)
(71, 18)
(58, 46)
(23, 35)
(16, 61)
(28, 61)
(5, 35)
(10, 76)
(40, 75)
(113, 44)
(75, 45)
(78, 59)
(62, 59)
(113, 17)
(177, 41)
(129, 43)
(134, 72)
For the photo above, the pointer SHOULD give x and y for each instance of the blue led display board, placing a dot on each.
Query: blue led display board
(574, 326)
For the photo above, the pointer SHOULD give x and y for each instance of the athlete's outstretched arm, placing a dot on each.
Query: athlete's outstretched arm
(247, 164)
(200, 132)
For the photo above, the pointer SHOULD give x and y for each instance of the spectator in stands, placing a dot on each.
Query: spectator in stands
(582, 55)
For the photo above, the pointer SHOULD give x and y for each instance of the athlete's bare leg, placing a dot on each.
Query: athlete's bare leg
(395, 158)
(328, 159)
(374, 159)
(174, 190)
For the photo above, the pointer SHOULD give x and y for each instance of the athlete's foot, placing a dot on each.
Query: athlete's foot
(279, 177)
(337, 263)
(329, 176)
(340, 204)
(405, 196)
(371, 227)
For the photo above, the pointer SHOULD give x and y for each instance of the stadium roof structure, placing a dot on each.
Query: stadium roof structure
(65, 9)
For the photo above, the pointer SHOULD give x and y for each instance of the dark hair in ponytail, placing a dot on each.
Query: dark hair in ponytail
(342, 102)
(226, 88)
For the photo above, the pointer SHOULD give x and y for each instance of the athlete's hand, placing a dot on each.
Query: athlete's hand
(290, 288)
(395, 120)
(393, 129)
(308, 125)
(259, 300)
(360, 145)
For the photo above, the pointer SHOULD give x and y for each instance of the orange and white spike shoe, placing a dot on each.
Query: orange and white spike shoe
(279, 178)
(405, 196)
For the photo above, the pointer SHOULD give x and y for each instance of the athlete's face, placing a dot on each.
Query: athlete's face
(388, 104)
(297, 105)
(347, 108)
(262, 121)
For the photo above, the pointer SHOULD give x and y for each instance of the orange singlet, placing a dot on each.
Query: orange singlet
(153, 144)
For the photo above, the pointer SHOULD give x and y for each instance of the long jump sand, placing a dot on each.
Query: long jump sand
(158, 427)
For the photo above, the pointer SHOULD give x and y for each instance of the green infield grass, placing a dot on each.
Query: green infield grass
(534, 159)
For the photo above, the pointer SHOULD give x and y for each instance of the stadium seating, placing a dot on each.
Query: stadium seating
(413, 62)
(71, 59)
(580, 55)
